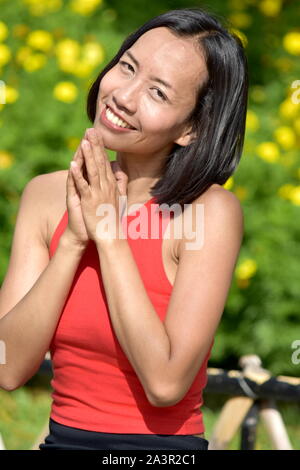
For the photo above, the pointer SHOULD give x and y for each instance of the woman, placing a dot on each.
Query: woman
(130, 321)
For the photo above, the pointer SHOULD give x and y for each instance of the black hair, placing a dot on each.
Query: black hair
(218, 119)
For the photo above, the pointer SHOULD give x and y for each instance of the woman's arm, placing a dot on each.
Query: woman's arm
(34, 290)
(167, 355)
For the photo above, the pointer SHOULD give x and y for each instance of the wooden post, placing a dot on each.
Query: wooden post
(232, 415)
(275, 426)
(2, 446)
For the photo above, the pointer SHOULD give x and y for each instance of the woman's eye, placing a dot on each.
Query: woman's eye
(126, 63)
(122, 62)
(161, 94)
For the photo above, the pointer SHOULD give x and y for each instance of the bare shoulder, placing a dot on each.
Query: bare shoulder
(49, 191)
(217, 199)
(49, 187)
(222, 211)
(217, 195)
(43, 182)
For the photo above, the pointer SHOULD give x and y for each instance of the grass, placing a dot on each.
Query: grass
(24, 412)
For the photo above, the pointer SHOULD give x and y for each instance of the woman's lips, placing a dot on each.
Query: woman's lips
(110, 124)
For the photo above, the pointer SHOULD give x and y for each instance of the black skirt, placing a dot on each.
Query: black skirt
(69, 438)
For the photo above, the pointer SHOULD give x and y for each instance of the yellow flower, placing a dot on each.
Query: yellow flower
(40, 39)
(268, 151)
(291, 42)
(270, 7)
(65, 91)
(67, 50)
(22, 54)
(82, 69)
(54, 5)
(288, 109)
(246, 269)
(241, 35)
(252, 122)
(229, 183)
(6, 159)
(285, 136)
(3, 31)
(241, 192)
(73, 142)
(33, 2)
(36, 8)
(84, 7)
(295, 195)
(11, 94)
(34, 62)
(42, 7)
(66, 65)
(92, 53)
(240, 20)
(76, 60)
(5, 54)
(285, 191)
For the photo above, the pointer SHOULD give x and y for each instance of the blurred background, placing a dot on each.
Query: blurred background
(50, 53)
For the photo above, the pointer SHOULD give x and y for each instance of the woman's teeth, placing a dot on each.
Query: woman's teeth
(111, 117)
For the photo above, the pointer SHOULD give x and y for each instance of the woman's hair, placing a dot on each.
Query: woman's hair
(219, 118)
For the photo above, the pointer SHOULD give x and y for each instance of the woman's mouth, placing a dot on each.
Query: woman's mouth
(111, 121)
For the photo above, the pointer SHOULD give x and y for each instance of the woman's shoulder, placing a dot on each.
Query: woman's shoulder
(222, 207)
(217, 194)
(49, 190)
(45, 181)
(49, 187)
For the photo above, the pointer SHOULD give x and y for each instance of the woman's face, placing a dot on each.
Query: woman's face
(154, 109)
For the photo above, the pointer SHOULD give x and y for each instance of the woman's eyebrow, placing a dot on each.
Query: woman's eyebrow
(166, 84)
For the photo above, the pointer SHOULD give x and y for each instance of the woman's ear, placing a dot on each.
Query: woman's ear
(186, 138)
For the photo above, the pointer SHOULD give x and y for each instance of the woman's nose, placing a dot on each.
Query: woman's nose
(126, 97)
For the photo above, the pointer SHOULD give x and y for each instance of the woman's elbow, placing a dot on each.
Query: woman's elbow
(163, 399)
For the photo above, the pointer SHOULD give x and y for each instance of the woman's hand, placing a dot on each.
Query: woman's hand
(75, 233)
(99, 197)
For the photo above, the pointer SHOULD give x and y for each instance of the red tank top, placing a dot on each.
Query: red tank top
(94, 385)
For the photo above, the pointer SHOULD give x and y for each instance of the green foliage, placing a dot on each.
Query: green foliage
(23, 414)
